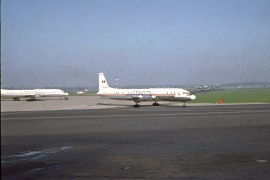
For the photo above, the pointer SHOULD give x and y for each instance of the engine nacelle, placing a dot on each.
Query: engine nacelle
(144, 97)
(135, 96)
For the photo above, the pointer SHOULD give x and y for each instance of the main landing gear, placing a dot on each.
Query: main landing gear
(136, 104)
(155, 104)
(31, 99)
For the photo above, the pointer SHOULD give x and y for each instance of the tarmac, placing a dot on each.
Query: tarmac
(84, 102)
(91, 138)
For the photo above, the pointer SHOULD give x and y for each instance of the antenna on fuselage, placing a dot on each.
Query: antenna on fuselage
(36, 83)
(116, 82)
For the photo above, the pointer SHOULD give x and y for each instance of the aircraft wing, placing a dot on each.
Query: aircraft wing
(134, 97)
(137, 97)
(33, 95)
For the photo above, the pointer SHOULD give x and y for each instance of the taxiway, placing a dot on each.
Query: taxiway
(112, 140)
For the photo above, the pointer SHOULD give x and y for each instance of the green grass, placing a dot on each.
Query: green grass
(235, 96)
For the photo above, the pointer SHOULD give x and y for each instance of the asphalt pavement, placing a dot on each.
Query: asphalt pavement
(89, 138)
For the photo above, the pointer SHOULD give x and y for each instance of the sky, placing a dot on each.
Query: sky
(140, 42)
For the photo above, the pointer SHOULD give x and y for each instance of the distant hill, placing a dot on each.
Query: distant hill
(95, 88)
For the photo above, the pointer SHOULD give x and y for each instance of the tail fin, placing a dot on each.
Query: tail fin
(103, 86)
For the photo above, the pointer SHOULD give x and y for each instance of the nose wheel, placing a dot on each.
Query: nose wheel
(184, 104)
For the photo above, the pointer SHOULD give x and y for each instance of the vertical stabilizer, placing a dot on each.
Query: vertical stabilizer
(103, 86)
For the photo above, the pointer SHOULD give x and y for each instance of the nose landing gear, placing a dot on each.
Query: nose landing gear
(184, 104)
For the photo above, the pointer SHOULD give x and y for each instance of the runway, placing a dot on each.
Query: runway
(116, 141)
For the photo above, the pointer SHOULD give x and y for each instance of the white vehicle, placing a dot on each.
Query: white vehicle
(207, 88)
(138, 95)
(33, 93)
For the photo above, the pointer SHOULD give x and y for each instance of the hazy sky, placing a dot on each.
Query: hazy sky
(142, 42)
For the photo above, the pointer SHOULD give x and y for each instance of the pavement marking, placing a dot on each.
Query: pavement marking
(138, 115)
(33, 155)
(14, 112)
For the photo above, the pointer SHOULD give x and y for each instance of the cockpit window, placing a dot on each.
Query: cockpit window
(186, 92)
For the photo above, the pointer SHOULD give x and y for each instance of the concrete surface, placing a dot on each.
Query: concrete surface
(83, 102)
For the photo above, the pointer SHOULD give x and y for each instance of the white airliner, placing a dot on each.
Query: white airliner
(138, 95)
(33, 93)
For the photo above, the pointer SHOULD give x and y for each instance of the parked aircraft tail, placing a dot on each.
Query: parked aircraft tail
(103, 85)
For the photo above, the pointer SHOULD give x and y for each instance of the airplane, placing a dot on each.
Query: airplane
(207, 88)
(138, 95)
(33, 93)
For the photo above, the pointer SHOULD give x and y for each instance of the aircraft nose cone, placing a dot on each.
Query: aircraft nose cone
(193, 97)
